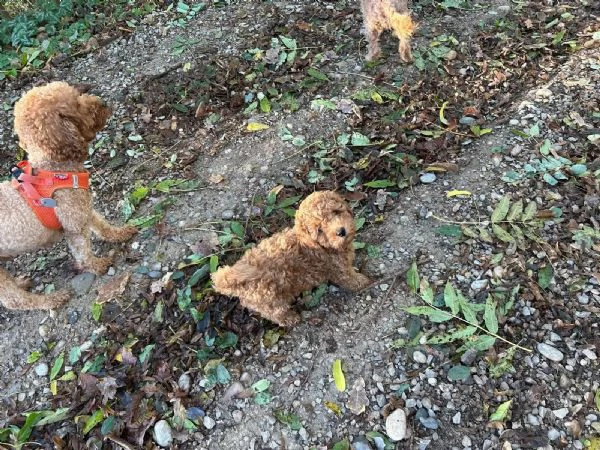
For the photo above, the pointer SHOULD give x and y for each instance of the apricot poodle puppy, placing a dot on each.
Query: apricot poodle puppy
(48, 197)
(380, 15)
(317, 249)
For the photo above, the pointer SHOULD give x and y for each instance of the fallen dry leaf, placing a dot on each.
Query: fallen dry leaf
(113, 289)
(357, 397)
(216, 179)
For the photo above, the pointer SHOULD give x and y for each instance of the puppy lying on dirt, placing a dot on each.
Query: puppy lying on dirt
(48, 197)
(380, 15)
(317, 249)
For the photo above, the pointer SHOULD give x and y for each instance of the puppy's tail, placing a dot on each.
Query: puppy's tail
(403, 25)
(231, 280)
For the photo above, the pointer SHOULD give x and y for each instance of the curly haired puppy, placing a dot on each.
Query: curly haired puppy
(55, 123)
(317, 249)
(380, 15)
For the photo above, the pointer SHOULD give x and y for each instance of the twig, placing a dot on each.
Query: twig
(122, 442)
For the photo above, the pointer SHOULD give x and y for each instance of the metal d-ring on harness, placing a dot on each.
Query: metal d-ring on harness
(37, 186)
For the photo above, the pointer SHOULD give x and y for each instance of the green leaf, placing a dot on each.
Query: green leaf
(316, 74)
(412, 278)
(237, 229)
(31, 420)
(501, 412)
(93, 420)
(289, 419)
(359, 139)
(223, 376)
(597, 399)
(262, 398)
(530, 211)
(96, 311)
(261, 385)
(213, 263)
(226, 340)
(145, 354)
(489, 315)
(449, 230)
(380, 184)
(459, 373)
(501, 210)
(288, 201)
(485, 235)
(138, 195)
(344, 444)
(578, 170)
(450, 298)
(456, 335)
(338, 375)
(158, 313)
(289, 42)
(515, 211)
(502, 234)
(435, 315)
(425, 291)
(108, 425)
(550, 179)
(58, 363)
(33, 357)
(467, 311)
(49, 417)
(480, 343)
(545, 275)
(74, 354)
(199, 275)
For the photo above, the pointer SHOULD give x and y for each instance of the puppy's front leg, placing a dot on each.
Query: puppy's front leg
(110, 233)
(81, 248)
(12, 296)
(349, 278)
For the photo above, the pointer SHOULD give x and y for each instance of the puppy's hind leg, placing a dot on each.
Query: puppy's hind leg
(13, 297)
(277, 311)
(111, 233)
(81, 248)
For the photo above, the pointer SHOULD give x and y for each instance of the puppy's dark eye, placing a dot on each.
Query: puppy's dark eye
(319, 230)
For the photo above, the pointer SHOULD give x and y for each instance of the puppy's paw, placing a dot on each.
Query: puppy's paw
(125, 233)
(98, 266)
(289, 319)
(57, 298)
(24, 283)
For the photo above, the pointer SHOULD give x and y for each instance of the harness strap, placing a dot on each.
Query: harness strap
(38, 186)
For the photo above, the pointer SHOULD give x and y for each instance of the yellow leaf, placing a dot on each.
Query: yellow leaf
(256, 126)
(333, 407)
(53, 388)
(376, 97)
(338, 375)
(442, 118)
(593, 444)
(456, 193)
(119, 357)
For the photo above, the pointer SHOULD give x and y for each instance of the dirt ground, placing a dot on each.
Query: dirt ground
(182, 99)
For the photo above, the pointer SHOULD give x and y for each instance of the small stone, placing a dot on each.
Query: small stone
(111, 271)
(466, 441)
(561, 413)
(430, 423)
(456, 418)
(550, 352)
(44, 331)
(155, 274)
(227, 214)
(395, 425)
(72, 317)
(237, 416)
(41, 370)
(384, 287)
(466, 120)
(163, 435)
(427, 178)
(184, 382)
(83, 282)
(479, 285)
(468, 357)
(208, 422)
(553, 434)
(303, 434)
(533, 420)
(419, 357)
(451, 55)
(361, 443)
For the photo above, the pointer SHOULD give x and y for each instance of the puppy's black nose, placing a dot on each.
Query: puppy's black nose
(341, 232)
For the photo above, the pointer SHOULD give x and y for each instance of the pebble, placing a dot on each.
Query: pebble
(209, 422)
(184, 382)
(430, 423)
(456, 418)
(550, 352)
(227, 214)
(237, 416)
(82, 283)
(384, 287)
(361, 443)
(427, 178)
(41, 370)
(419, 357)
(466, 441)
(163, 435)
(466, 120)
(561, 413)
(553, 434)
(44, 331)
(395, 425)
(479, 285)
(468, 357)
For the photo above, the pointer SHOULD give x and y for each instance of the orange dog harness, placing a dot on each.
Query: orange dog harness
(38, 186)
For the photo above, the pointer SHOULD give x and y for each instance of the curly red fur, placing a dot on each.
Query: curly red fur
(317, 249)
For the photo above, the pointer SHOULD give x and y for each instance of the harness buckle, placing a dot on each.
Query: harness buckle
(47, 202)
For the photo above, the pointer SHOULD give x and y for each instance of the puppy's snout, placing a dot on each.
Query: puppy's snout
(341, 232)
